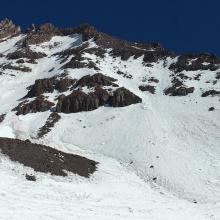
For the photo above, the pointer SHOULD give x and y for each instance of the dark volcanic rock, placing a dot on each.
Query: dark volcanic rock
(211, 108)
(2, 117)
(97, 79)
(46, 159)
(191, 62)
(8, 29)
(211, 93)
(37, 105)
(148, 88)
(78, 101)
(17, 68)
(30, 177)
(178, 90)
(152, 79)
(25, 53)
(123, 97)
(76, 62)
(217, 75)
(51, 121)
(120, 48)
(48, 85)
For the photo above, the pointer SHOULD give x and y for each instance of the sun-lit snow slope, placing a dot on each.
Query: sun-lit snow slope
(113, 192)
(167, 144)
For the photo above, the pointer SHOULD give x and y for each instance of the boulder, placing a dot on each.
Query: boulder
(175, 90)
(123, 97)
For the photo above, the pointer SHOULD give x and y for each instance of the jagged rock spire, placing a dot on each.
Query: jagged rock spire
(8, 29)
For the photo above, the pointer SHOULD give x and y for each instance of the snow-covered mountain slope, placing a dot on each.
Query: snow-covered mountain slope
(149, 117)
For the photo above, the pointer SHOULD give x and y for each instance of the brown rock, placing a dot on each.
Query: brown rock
(8, 29)
(37, 105)
(123, 97)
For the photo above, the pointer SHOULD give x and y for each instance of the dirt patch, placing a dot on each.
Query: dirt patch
(46, 159)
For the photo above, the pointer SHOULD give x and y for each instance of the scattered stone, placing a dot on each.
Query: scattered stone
(197, 77)
(152, 79)
(211, 109)
(125, 75)
(30, 177)
(148, 88)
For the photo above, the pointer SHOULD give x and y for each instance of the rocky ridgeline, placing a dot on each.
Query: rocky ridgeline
(8, 29)
(103, 90)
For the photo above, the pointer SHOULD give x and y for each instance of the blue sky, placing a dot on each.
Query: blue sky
(182, 26)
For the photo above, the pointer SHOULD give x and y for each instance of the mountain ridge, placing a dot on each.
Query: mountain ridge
(149, 117)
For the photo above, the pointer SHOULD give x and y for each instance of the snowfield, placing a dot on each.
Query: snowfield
(158, 160)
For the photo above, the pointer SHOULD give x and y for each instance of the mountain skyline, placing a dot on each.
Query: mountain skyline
(183, 27)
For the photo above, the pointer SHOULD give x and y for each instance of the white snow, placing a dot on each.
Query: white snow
(173, 139)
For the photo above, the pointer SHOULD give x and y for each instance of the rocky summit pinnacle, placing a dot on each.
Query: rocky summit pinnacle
(8, 29)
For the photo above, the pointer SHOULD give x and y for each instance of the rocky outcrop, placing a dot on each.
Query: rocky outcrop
(217, 75)
(40, 34)
(51, 121)
(25, 53)
(211, 93)
(79, 101)
(97, 79)
(2, 117)
(148, 88)
(46, 159)
(120, 48)
(191, 62)
(123, 97)
(8, 29)
(48, 85)
(178, 90)
(37, 105)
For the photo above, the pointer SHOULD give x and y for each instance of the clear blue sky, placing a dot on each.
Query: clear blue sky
(182, 26)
